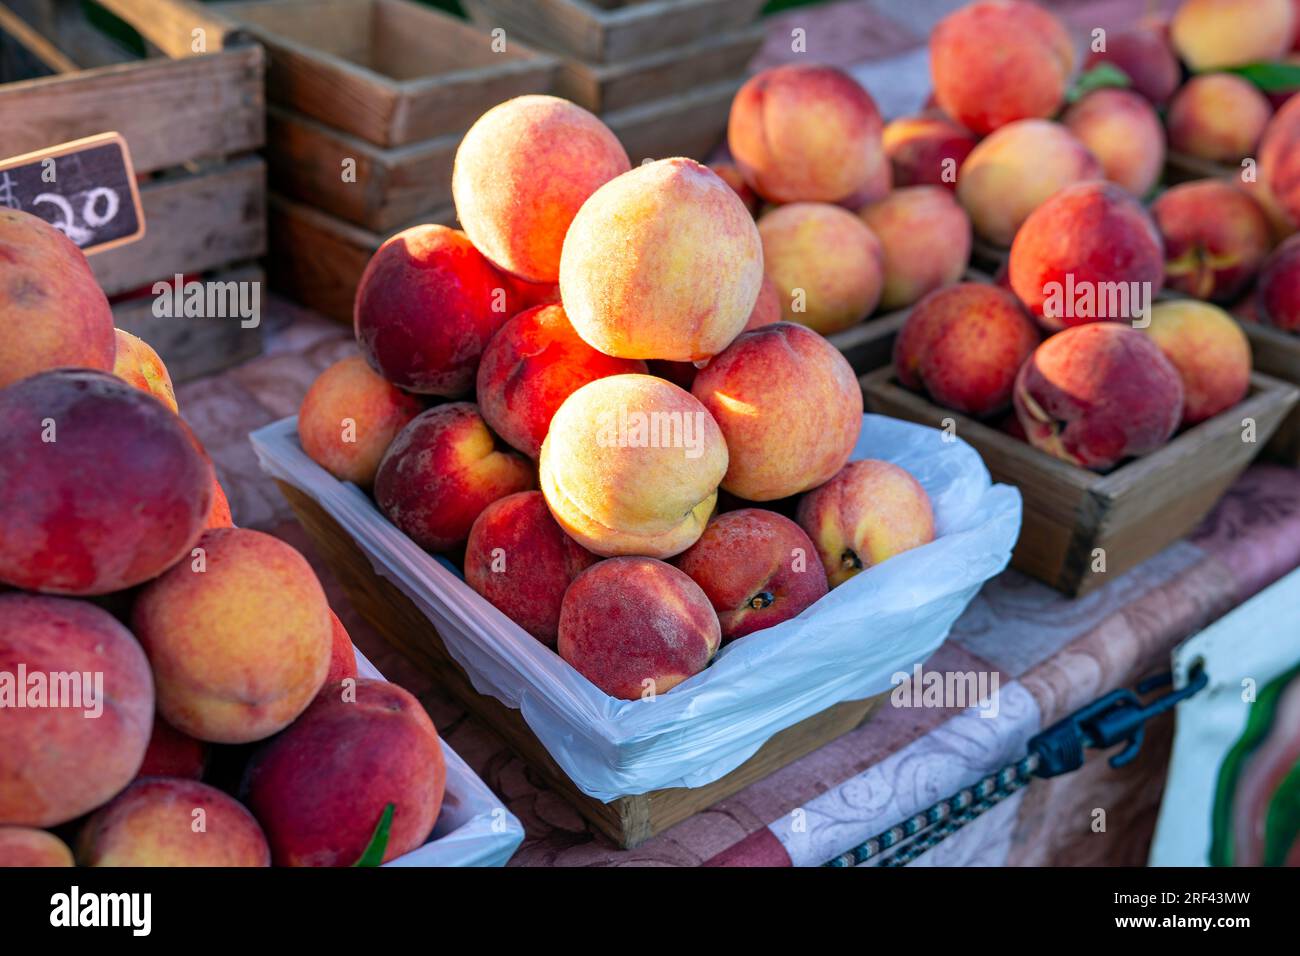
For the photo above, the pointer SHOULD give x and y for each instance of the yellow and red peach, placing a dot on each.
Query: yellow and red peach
(1096, 394)
(173, 754)
(1218, 117)
(1144, 55)
(1210, 352)
(925, 237)
(1122, 130)
(343, 657)
(642, 272)
(805, 133)
(219, 515)
(789, 407)
(101, 486)
(1279, 287)
(1216, 238)
(59, 762)
(927, 150)
(441, 471)
(521, 174)
(238, 636)
(320, 788)
(636, 626)
(1280, 225)
(1279, 159)
(139, 365)
(1214, 34)
(28, 847)
(730, 174)
(522, 295)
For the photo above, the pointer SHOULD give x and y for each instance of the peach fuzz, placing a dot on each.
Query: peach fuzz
(998, 61)
(1210, 352)
(1096, 394)
(1078, 247)
(632, 465)
(927, 150)
(426, 307)
(320, 788)
(1212, 34)
(441, 471)
(1015, 170)
(1279, 287)
(1218, 117)
(868, 513)
(730, 174)
(636, 626)
(925, 237)
(1279, 159)
(117, 496)
(827, 265)
(139, 365)
(343, 656)
(530, 367)
(521, 174)
(805, 133)
(27, 847)
(640, 272)
(153, 823)
(1144, 55)
(238, 636)
(58, 763)
(521, 561)
(789, 406)
(52, 311)
(173, 754)
(1123, 131)
(1216, 237)
(963, 346)
(757, 568)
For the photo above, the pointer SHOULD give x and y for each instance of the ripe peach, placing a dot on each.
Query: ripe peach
(1213, 34)
(101, 486)
(1216, 238)
(927, 150)
(320, 788)
(238, 636)
(1013, 172)
(1096, 394)
(1123, 131)
(925, 238)
(219, 515)
(25, 847)
(1279, 159)
(173, 754)
(641, 266)
(870, 511)
(441, 471)
(426, 306)
(635, 625)
(58, 762)
(1210, 352)
(139, 365)
(631, 465)
(789, 406)
(343, 656)
(1219, 117)
(1090, 253)
(1144, 55)
(963, 345)
(163, 821)
(1279, 287)
(52, 311)
(757, 568)
(827, 265)
(530, 367)
(1280, 225)
(730, 174)
(521, 174)
(997, 61)
(522, 295)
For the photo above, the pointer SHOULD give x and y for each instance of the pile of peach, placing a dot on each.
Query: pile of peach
(589, 398)
(175, 691)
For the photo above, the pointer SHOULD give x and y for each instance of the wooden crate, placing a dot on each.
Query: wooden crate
(1131, 513)
(689, 124)
(1277, 353)
(628, 820)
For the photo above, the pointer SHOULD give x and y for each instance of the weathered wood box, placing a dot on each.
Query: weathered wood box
(1277, 353)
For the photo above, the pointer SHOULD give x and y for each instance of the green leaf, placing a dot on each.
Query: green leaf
(374, 854)
(1271, 77)
(1100, 77)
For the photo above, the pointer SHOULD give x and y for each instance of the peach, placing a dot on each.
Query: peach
(805, 133)
(756, 567)
(1123, 131)
(1096, 394)
(343, 656)
(163, 821)
(58, 762)
(101, 486)
(1279, 287)
(998, 61)
(963, 345)
(139, 365)
(644, 263)
(441, 471)
(238, 636)
(1090, 253)
(219, 515)
(635, 625)
(27, 847)
(1279, 159)
(632, 465)
(789, 406)
(1219, 117)
(530, 367)
(521, 561)
(173, 754)
(1213, 34)
(927, 150)
(870, 511)
(426, 307)
(522, 295)
(320, 788)
(1144, 55)
(730, 174)
(1280, 225)
(1015, 170)
(1216, 238)
(521, 174)
(1210, 352)
(52, 311)
(925, 237)
(827, 265)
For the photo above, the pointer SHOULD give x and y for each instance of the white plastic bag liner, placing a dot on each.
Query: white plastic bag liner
(474, 828)
(847, 646)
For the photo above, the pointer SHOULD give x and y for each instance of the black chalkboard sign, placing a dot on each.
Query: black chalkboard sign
(85, 188)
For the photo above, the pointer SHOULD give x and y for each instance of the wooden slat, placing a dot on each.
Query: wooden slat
(1277, 353)
(690, 124)
(171, 24)
(35, 44)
